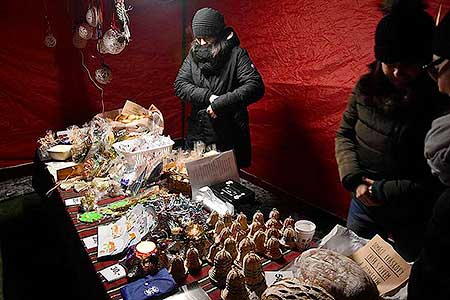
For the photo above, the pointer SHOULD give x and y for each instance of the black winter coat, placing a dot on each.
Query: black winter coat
(388, 147)
(430, 275)
(237, 84)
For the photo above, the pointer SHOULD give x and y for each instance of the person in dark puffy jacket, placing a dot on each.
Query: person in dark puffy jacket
(219, 80)
(380, 140)
(430, 274)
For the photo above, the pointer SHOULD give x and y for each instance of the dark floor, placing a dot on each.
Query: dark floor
(32, 252)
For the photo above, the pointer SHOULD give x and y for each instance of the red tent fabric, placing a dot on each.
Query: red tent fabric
(310, 53)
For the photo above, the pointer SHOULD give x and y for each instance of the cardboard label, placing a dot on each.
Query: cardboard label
(113, 272)
(211, 170)
(73, 201)
(386, 267)
(90, 242)
(274, 276)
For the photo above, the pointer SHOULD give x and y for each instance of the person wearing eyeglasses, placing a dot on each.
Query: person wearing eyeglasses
(379, 144)
(219, 80)
(430, 275)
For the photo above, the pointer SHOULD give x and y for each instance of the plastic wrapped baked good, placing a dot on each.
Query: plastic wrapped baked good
(293, 289)
(338, 274)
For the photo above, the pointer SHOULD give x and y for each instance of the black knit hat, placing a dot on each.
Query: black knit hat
(405, 35)
(441, 40)
(208, 22)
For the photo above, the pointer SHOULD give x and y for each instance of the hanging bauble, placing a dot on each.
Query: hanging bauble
(101, 47)
(114, 41)
(78, 42)
(103, 74)
(92, 17)
(85, 31)
(50, 40)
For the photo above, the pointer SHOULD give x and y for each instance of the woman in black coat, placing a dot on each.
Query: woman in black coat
(220, 81)
(379, 144)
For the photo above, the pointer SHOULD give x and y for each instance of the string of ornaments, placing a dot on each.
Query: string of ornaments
(49, 39)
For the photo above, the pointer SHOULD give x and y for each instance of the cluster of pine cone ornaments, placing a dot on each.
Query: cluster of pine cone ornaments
(236, 253)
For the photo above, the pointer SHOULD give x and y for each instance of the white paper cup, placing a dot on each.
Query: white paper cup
(304, 230)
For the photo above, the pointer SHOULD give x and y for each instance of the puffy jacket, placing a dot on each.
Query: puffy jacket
(388, 147)
(237, 84)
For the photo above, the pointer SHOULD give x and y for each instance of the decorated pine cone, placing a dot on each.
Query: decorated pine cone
(231, 247)
(274, 214)
(193, 263)
(177, 269)
(255, 226)
(222, 265)
(273, 250)
(219, 226)
(227, 219)
(235, 227)
(273, 223)
(260, 242)
(258, 216)
(288, 239)
(212, 219)
(213, 250)
(235, 287)
(240, 235)
(242, 220)
(224, 234)
(288, 222)
(245, 246)
(272, 232)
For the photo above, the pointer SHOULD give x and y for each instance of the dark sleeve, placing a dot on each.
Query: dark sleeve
(186, 89)
(251, 87)
(350, 172)
(406, 190)
(398, 190)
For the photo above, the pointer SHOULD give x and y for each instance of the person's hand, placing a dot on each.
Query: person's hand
(210, 111)
(364, 193)
(212, 98)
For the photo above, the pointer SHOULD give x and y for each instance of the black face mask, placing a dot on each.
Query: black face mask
(212, 64)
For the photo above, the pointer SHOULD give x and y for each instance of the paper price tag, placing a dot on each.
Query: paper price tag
(90, 242)
(113, 272)
(74, 201)
(274, 276)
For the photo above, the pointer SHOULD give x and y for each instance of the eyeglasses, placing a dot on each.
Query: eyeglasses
(432, 69)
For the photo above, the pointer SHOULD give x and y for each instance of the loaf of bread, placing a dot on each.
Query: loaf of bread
(337, 274)
(293, 289)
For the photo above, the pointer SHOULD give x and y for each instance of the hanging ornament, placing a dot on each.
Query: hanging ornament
(92, 17)
(77, 41)
(101, 47)
(85, 31)
(103, 74)
(114, 42)
(49, 40)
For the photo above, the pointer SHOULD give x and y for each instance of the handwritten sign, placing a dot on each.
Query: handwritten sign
(386, 267)
(211, 170)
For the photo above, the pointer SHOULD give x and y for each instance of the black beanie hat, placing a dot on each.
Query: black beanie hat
(405, 34)
(441, 40)
(207, 22)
